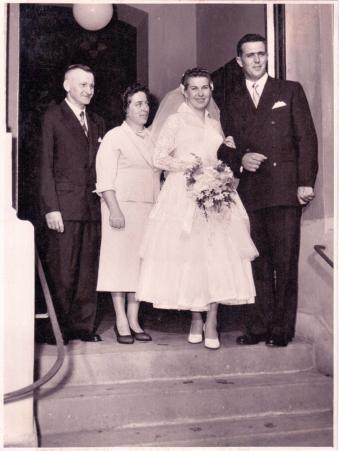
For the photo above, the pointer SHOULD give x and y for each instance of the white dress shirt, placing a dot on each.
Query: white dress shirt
(260, 84)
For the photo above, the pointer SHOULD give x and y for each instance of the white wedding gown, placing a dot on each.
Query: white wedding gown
(187, 262)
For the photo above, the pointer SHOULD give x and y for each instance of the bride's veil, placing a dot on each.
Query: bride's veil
(169, 105)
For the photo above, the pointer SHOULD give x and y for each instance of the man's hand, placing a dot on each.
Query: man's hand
(116, 219)
(305, 194)
(54, 221)
(229, 141)
(251, 161)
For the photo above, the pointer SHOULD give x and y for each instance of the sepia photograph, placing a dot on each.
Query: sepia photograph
(168, 225)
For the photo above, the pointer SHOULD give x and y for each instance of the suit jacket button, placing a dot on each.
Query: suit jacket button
(273, 122)
(274, 163)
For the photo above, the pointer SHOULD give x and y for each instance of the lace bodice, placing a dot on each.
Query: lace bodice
(184, 134)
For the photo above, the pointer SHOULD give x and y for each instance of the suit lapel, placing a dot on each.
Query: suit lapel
(244, 102)
(268, 97)
(72, 123)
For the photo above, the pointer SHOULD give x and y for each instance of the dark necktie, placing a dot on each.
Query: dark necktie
(83, 123)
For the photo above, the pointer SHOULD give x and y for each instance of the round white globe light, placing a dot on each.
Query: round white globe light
(92, 16)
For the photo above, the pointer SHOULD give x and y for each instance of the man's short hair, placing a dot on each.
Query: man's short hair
(78, 66)
(249, 38)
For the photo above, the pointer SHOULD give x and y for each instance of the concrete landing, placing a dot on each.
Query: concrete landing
(171, 393)
(297, 429)
(152, 402)
(168, 355)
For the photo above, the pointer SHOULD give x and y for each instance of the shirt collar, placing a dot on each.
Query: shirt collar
(184, 108)
(76, 110)
(142, 133)
(260, 83)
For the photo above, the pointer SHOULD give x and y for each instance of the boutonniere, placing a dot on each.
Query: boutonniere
(278, 104)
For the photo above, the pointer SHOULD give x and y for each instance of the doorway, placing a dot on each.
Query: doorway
(50, 41)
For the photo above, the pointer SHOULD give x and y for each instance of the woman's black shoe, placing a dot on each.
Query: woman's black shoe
(123, 339)
(141, 336)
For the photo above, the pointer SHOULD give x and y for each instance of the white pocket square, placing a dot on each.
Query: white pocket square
(278, 104)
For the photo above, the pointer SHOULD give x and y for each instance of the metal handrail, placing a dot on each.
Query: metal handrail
(25, 391)
(319, 248)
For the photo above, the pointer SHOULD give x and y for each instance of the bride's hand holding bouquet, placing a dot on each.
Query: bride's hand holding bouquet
(212, 187)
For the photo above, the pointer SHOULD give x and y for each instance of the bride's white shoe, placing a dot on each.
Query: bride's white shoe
(195, 338)
(211, 343)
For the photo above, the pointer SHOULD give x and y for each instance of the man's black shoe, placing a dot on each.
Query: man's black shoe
(86, 336)
(250, 339)
(277, 341)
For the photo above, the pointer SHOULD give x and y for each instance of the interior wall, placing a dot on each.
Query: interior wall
(219, 28)
(139, 19)
(309, 52)
(172, 44)
(316, 75)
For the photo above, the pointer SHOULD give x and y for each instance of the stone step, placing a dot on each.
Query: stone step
(291, 429)
(84, 408)
(168, 355)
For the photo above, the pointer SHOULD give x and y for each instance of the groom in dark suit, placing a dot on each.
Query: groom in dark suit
(276, 161)
(70, 139)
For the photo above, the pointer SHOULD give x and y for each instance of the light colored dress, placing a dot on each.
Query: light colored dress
(124, 163)
(188, 261)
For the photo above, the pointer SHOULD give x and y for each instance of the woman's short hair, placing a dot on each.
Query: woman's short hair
(195, 72)
(130, 91)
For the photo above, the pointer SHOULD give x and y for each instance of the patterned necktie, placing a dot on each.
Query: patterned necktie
(83, 123)
(255, 94)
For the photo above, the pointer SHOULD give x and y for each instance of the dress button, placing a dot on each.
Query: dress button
(274, 163)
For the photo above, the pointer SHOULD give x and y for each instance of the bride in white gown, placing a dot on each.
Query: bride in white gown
(188, 261)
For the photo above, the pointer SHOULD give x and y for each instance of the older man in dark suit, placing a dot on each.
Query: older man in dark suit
(276, 161)
(70, 139)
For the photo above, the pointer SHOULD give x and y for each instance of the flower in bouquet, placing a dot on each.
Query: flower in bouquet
(212, 187)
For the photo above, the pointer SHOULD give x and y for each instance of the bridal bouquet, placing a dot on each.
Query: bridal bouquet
(212, 187)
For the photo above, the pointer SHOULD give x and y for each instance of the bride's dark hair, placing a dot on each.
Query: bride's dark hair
(195, 72)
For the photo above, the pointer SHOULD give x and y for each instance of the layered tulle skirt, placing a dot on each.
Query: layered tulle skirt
(188, 261)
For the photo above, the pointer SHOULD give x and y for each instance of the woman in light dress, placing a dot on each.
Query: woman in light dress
(190, 262)
(128, 184)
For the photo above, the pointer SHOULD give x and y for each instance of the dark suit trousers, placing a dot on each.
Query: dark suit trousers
(72, 268)
(276, 233)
